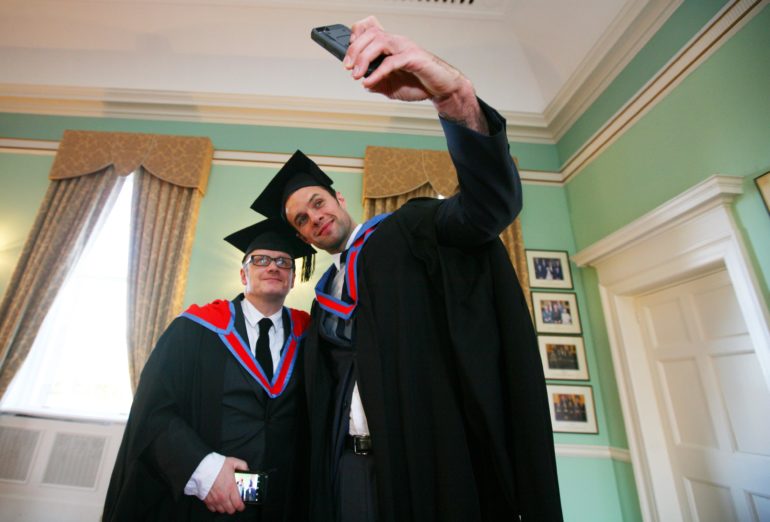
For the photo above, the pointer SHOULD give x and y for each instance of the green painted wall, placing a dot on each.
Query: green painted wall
(587, 490)
(717, 121)
(546, 226)
(592, 489)
(24, 180)
(683, 24)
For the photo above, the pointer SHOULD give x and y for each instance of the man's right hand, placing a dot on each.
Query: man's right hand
(410, 73)
(223, 496)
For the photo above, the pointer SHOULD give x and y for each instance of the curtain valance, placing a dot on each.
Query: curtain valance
(392, 176)
(180, 160)
(394, 171)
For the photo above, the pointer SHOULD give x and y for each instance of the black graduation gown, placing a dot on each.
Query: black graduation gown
(449, 375)
(190, 388)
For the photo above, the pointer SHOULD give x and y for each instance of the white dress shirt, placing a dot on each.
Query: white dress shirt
(253, 316)
(358, 424)
(207, 471)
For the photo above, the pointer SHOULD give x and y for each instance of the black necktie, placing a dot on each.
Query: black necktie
(264, 357)
(345, 296)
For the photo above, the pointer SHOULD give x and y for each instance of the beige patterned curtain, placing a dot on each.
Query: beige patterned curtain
(392, 176)
(164, 217)
(172, 173)
(68, 214)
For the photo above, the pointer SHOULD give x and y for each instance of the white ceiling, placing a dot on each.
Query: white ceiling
(541, 62)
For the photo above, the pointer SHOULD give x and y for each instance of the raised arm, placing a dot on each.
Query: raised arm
(410, 73)
(490, 188)
(490, 196)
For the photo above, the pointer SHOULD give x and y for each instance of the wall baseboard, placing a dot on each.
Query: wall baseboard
(593, 452)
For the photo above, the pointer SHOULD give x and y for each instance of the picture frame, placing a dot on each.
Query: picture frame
(563, 356)
(572, 408)
(549, 269)
(556, 312)
(763, 185)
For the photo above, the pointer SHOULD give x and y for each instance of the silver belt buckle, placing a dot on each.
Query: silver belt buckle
(362, 444)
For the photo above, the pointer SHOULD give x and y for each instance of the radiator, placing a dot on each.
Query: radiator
(55, 470)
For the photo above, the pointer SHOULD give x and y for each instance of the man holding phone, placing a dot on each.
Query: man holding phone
(424, 382)
(221, 394)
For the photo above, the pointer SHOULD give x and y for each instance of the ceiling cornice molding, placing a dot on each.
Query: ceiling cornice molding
(611, 54)
(484, 10)
(719, 30)
(375, 116)
(257, 159)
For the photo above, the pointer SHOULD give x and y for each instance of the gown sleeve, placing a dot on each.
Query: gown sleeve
(490, 196)
(160, 449)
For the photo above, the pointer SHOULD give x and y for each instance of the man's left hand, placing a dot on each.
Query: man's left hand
(223, 496)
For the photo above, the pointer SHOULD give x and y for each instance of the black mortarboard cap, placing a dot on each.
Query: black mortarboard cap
(300, 171)
(274, 234)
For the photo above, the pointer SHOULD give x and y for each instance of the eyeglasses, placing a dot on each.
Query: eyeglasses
(263, 261)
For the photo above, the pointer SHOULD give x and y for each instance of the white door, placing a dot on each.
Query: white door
(712, 397)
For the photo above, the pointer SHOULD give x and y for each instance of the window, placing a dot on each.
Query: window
(78, 365)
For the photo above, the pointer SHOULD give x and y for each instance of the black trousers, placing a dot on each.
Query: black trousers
(358, 488)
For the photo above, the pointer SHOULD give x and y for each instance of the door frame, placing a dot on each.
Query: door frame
(691, 235)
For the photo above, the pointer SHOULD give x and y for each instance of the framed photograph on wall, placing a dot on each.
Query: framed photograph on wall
(572, 409)
(564, 357)
(763, 184)
(549, 269)
(556, 312)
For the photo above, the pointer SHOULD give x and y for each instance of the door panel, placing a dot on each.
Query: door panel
(688, 409)
(746, 400)
(712, 503)
(712, 396)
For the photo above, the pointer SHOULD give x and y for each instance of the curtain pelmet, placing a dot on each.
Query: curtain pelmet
(393, 176)
(180, 160)
(172, 173)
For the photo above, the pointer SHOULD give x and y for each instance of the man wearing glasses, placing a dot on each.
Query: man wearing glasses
(222, 393)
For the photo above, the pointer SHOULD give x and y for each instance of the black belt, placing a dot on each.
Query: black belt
(360, 444)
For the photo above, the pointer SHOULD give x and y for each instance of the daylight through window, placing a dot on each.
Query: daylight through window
(78, 364)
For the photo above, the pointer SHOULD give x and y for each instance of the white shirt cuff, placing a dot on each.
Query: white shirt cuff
(204, 475)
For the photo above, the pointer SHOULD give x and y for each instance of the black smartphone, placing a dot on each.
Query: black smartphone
(335, 39)
(252, 486)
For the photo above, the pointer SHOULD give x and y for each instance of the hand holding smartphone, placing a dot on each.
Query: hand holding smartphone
(336, 39)
(251, 486)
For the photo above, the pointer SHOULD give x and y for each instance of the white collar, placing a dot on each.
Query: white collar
(253, 316)
(336, 257)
